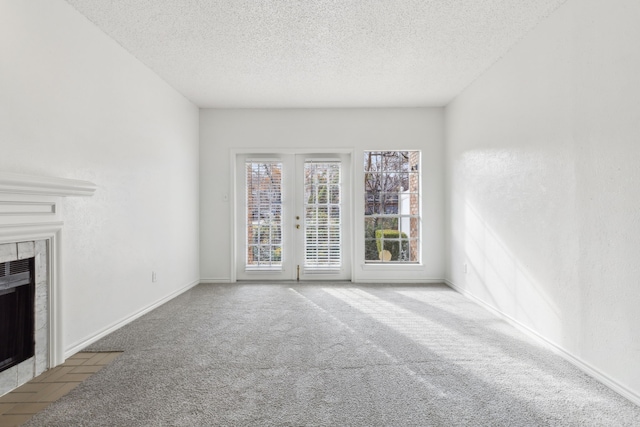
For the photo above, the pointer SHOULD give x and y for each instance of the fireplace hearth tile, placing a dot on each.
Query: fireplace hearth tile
(27, 408)
(50, 386)
(5, 407)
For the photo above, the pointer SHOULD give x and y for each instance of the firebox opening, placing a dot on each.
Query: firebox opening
(17, 312)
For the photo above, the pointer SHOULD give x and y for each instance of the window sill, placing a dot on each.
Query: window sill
(391, 266)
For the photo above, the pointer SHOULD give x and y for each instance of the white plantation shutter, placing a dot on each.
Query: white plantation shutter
(264, 215)
(322, 215)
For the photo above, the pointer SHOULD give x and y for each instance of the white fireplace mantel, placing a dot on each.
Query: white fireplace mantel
(15, 183)
(31, 210)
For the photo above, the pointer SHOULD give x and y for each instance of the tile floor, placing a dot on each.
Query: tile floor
(18, 406)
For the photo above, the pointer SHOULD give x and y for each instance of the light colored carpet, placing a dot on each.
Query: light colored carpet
(332, 355)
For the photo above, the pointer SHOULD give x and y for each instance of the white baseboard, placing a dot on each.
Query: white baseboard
(401, 281)
(574, 360)
(214, 281)
(78, 346)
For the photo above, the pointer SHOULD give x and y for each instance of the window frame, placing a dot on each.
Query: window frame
(312, 199)
(260, 264)
(382, 202)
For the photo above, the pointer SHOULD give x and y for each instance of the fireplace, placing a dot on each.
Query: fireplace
(25, 325)
(31, 229)
(17, 312)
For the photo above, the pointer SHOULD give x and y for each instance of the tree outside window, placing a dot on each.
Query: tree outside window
(392, 206)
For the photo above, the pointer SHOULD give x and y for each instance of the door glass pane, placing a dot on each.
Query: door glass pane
(264, 215)
(322, 214)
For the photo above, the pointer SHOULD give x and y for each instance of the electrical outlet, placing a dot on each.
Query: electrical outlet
(154, 277)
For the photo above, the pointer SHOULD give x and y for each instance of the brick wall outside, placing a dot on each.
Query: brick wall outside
(414, 186)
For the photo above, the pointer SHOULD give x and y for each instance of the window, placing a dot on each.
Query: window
(264, 215)
(322, 184)
(392, 206)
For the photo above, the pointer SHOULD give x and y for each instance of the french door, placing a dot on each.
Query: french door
(293, 217)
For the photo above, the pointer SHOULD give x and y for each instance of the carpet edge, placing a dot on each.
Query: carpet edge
(80, 345)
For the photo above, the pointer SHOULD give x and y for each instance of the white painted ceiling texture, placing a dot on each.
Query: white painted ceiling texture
(317, 53)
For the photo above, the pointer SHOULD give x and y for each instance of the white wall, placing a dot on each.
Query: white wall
(356, 129)
(74, 104)
(543, 185)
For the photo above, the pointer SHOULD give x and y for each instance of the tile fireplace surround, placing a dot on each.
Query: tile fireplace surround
(34, 366)
(31, 225)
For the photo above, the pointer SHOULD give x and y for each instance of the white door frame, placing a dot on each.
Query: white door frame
(236, 196)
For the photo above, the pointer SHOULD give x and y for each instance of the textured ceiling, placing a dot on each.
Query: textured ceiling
(317, 53)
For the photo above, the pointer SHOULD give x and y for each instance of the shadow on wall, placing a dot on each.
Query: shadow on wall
(497, 277)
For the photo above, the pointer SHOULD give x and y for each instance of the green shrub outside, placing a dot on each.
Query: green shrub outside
(390, 240)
